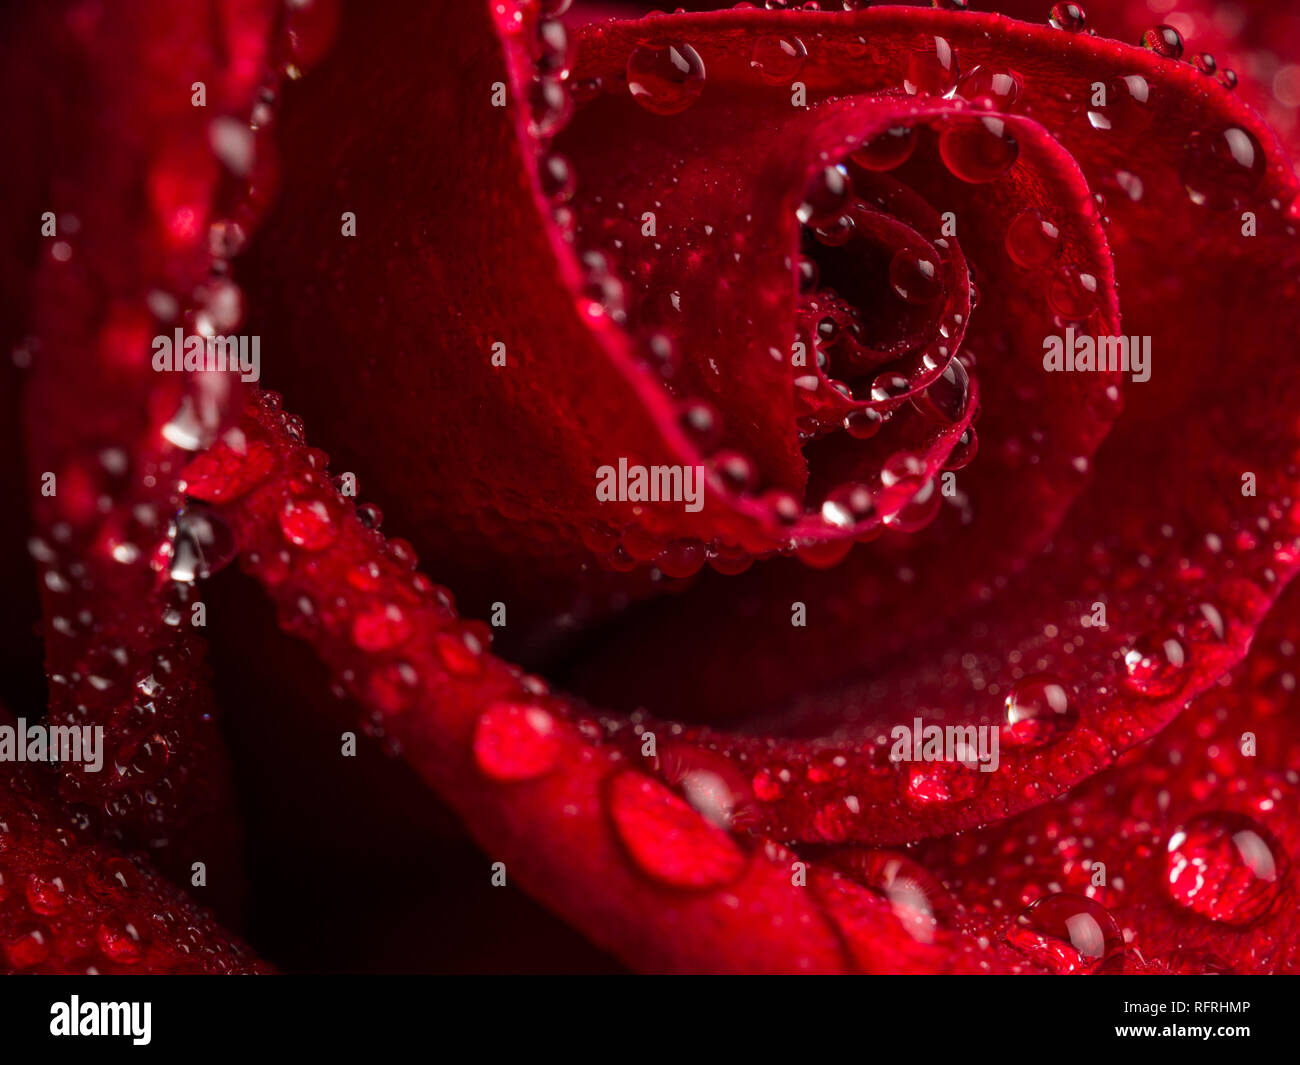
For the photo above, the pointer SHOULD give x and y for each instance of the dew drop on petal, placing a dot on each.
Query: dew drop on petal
(915, 276)
(1221, 170)
(665, 79)
(667, 839)
(979, 150)
(307, 523)
(1226, 867)
(886, 150)
(1038, 710)
(778, 59)
(1163, 41)
(827, 194)
(1033, 241)
(1069, 933)
(514, 741)
(1069, 17)
(1156, 665)
(932, 69)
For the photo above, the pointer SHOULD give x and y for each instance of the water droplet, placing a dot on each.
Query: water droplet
(699, 421)
(228, 472)
(887, 150)
(681, 558)
(864, 423)
(667, 838)
(916, 897)
(380, 627)
(1069, 934)
(1164, 41)
(1033, 241)
(549, 106)
(990, 88)
(1038, 711)
(1222, 170)
(1226, 867)
(47, 893)
(307, 523)
(778, 59)
(1069, 17)
(665, 79)
(120, 941)
(28, 947)
(1127, 108)
(949, 393)
(737, 473)
(514, 741)
(827, 194)
(1157, 665)
(979, 150)
(204, 545)
(1206, 64)
(932, 69)
(1073, 294)
(964, 451)
(915, 277)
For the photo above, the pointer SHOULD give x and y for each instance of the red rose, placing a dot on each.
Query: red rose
(877, 428)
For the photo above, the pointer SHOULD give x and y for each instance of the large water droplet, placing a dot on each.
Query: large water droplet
(203, 545)
(827, 194)
(778, 59)
(916, 897)
(1156, 665)
(1226, 867)
(915, 276)
(307, 523)
(886, 150)
(667, 839)
(1069, 934)
(1069, 17)
(1038, 710)
(1032, 241)
(978, 150)
(1222, 170)
(931, 70)
(514, 741)
(665, 79)
(1164, 41)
